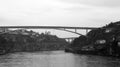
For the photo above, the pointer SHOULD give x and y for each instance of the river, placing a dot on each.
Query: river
(56, 59)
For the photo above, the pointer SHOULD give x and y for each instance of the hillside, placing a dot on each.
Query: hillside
(97, 40)
(19, 41)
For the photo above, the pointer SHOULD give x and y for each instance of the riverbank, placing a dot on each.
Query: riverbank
(27, 41)
(103, 41)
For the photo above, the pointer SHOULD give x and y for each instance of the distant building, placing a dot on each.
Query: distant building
(100, 41)
(108, 30)
(4, 29)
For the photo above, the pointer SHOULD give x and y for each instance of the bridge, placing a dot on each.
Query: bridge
(62, 28)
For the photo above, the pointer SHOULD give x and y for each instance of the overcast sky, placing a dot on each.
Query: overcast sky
(93, 13)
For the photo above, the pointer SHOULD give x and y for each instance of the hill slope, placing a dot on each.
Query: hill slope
(17, 41)
(98, 40)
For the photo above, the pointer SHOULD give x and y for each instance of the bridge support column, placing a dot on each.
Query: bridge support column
(75, 30)
(86, 31)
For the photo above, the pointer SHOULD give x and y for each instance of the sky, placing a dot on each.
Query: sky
(77, 13)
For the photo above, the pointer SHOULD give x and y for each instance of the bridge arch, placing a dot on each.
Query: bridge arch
(70, 31)
(63, 28)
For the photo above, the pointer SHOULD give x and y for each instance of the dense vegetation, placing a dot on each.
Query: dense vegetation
(17, 41)
(103, 34)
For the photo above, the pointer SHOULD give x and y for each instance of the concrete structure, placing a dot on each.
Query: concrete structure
(63, 28)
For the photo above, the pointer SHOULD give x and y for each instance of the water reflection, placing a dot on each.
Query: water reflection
(56, 59)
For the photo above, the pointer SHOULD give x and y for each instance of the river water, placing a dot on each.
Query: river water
(56, 59)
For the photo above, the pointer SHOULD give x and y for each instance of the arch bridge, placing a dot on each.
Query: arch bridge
(62, 28)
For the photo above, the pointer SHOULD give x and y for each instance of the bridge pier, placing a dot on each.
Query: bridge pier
(86, 31)
(76, 30)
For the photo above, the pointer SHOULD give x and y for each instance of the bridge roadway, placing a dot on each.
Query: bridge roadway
(48, 27)
(63, 28)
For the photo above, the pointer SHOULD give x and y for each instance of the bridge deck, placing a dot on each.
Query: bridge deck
(48, 27)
